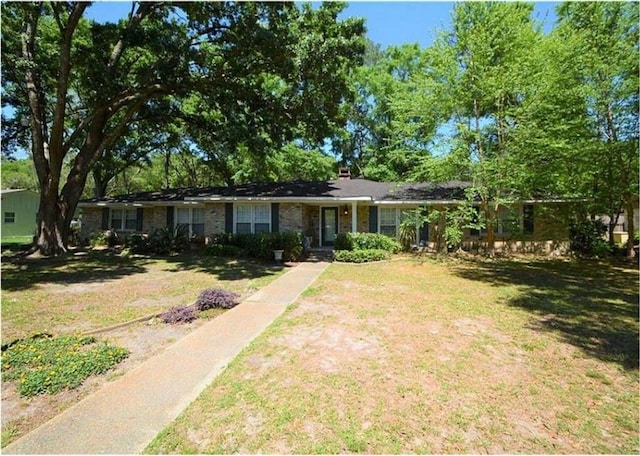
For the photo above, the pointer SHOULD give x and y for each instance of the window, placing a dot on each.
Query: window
(508, 221)
(252, 218)
(123, 219)
(193, 218)
(389, 221)
(9, 217)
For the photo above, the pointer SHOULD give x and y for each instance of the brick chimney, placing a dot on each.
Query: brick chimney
(344, 173)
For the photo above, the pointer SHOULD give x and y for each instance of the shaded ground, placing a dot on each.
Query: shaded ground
(427, 357)
(591, 305)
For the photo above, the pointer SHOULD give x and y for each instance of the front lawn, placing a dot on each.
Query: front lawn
(66, 296)
(98, 289)
(416, 356)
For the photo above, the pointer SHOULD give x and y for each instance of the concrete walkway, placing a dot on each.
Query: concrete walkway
(126, 415)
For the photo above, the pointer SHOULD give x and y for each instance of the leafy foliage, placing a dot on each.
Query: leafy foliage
(179, 315)
(259, 245)
(361, 255)
(213, 298)
(242, 75)
(170, 239)
(366, 241)
(48, 365)
(225, 250)
(586, 237)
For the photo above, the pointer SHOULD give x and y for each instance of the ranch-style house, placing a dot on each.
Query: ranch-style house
(318, 210)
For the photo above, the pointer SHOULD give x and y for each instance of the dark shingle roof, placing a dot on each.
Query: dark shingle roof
(428, 191)
(345, 188)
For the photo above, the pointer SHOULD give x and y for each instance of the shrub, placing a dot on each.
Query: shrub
(361, 256)
(212, 298)
(97, 239)
(586, 237)
(407, 235)
(180, 314)
(366, 241)
(229, 251)
(50, 364)
(138, 243)
(343, 241)
(170, 239)
(262, 245)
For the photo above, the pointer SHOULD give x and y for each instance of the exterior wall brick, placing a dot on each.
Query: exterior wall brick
(91, 221)
(291, 217)
(153, 218)
(214, 214)
(363, 219)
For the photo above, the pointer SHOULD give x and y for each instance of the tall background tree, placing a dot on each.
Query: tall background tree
(605, 36)
(83, 84)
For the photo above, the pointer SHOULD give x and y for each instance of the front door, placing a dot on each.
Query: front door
(329, 225)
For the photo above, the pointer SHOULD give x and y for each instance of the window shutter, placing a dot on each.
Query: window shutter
(373, 219)
(527, 219)
(275, 217)
(228, 218)
(170, 216)
(424, 229)
(139, 213)
(105, 218)
(473, 231)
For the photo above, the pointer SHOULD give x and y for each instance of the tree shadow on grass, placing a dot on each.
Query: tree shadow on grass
(592, 305)
(224, 268)
(19, 273)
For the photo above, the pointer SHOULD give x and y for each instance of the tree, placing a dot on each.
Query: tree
(374, 142)
(606, 35)
(296, 97)
(485, 55)
(84, 83)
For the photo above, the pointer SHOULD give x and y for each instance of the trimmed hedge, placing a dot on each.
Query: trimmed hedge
(361, 256)
(366, 241)
(259, 245)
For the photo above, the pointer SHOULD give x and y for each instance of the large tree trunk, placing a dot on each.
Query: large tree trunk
(630, 209)
(51, 233)
(491, 233)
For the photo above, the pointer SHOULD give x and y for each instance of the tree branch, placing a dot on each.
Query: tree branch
(63, 79)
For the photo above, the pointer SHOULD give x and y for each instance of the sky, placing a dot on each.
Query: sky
(388, 22)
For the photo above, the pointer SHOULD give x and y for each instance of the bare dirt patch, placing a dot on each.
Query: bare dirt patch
(407, 358)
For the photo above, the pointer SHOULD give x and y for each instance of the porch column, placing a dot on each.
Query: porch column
(354, 217)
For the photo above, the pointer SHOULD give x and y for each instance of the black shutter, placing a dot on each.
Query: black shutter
(475, 218)
(105, 218)
(275, 217)
(228, 218)
(373, 219)
(170, 216)
(139, 212)
(527, 219)
(424, 229)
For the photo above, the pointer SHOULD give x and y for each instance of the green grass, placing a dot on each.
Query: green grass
(47, 365)
(418, 356)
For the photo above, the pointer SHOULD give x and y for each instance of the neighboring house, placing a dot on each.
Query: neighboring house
(319, 210)
(620, 234)
(19, 209)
